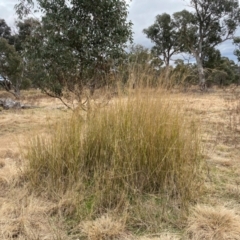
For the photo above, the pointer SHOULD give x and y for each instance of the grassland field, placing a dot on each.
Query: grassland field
(216, 214)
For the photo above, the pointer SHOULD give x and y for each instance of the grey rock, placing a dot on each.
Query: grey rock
(9, 104)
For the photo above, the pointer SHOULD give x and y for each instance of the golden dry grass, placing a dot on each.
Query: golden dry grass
(212, 223)
(22, 215)
(164, 236)
(104, 228)
(26, 216)
(113, 228)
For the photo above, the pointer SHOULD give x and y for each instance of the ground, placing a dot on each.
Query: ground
(23, 214)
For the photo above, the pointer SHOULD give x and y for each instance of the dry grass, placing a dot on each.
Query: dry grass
(23, 215)
(112, 228)
(134, 150)
(2, 164)
(213, 223)
(104, 228)
(164, 236)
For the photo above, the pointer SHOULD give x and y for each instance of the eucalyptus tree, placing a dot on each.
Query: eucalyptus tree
(212, 58)
(164, 34)
(210, 23)
(76, 41)
(225, 73)
(10, 67)
(5, 32)
(25, 30)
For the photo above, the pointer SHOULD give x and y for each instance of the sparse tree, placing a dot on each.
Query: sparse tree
(164, 34)
(211, 23)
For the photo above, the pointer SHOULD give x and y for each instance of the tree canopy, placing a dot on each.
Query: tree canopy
(196, 32)
(5, 32)
(211, 23)
(164, 34)
(76, 41)
(10, 65)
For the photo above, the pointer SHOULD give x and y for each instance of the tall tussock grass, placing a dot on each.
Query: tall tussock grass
(135, 146)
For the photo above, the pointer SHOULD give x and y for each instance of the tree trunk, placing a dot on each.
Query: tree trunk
(17, 92)
(202, 80)
(167, 71)
(16, 89)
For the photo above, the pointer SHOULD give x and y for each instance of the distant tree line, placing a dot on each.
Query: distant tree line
(198, 32)
(84, 45)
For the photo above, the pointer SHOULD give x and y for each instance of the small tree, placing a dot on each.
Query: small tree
(211, 23)
(76, 43)
(164, 34)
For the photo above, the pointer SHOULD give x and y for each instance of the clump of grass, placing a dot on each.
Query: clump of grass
(163, 236)
(134, 148)
(2, 164)
(233, 105)
(3, 184)
(104, 228)
(213, 223)
(27, 221)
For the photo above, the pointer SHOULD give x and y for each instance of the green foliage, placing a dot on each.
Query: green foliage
(184, 74)
(218, 71)
(76, 44)
(138, 54)
(164, 34)
(236, 41)
(133, 148)
(212, 58)
(197, 32)
(142, 67)
(225, 72)
(26, 84)
(10, 62)
(211, 23)
(5, 32)
(25, 31)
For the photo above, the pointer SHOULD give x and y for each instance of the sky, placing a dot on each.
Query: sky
(142, 13)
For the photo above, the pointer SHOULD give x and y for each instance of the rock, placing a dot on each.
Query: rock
(9, 104)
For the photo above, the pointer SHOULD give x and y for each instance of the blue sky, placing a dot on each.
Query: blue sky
(141, 12)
